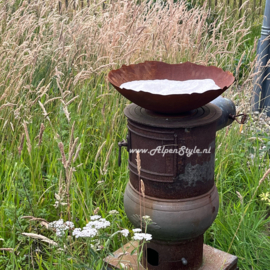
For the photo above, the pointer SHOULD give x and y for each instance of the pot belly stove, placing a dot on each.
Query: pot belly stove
(177, 158)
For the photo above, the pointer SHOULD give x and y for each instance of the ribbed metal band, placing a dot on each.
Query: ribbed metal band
(265, 31)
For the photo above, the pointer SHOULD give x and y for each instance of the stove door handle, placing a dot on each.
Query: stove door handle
(120, 144)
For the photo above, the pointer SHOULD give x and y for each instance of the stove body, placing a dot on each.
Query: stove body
(177, 154)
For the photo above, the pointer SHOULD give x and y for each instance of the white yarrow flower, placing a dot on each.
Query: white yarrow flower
(86, 232)
(137, 230)
(95, 217)
(56, 224)
(113, 212)
(60, 232)
(92, 227)
(98, 224)
(124, 232)
(69, 224)
(142, 236)
(61, 227)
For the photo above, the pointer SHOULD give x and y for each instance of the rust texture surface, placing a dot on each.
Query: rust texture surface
(153, 70)
(179, 174)
(174, 255)
(213, 259)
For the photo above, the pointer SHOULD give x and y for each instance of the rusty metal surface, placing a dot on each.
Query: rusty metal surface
(172, 220)
(243, 120)
(213, 259)
(173, 175)
(195, 118)
(151, 70)
(161, 255)
(228, 108)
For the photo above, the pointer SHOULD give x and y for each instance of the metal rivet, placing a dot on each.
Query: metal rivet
(184, 261)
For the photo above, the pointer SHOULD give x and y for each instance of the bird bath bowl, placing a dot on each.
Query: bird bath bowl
(172, 103)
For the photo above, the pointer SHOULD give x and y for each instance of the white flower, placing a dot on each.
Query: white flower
(60, 226)
(98, 224)
(146, 218)
(95, 217)
(136, 230)
(69, 224)
(60, 232)
(86, 232)
(90, 232)
(56, 204)
(91, 228)
(142, 236)
(124, 232)
(76, 232)
(56, 224)
(100, 182)
(113, 212)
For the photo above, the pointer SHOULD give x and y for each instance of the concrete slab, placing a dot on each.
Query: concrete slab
(213, 259)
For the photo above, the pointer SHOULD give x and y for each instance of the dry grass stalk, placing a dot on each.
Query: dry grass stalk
(70, 101)
(42, 221)
(106, 163)
(114, 118)
(28, 141)
(44, 224)
(60, 196)
(240, 197)
(64, 160)
(7, 249)
(142, 188)
(138, 161)
(31, 218)
(44, 111)
(71, 139)
(96, 211)
(40, 237)
(12, 127)
(7, 105)
(99, 151)
(64, 189)
(51, 99)
(42, 128)
(70, 154)
(21, 144)
(66, 112)
(77, 153)
(79, 106)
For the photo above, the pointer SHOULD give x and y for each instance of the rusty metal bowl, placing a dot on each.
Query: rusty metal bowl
(170, 104)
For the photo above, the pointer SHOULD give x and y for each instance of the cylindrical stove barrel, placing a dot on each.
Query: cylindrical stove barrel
(177, 152)
(180, 195)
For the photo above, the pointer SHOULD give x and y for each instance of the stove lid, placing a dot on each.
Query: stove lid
(199, 117)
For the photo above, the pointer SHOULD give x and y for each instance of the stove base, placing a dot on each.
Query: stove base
(213, 259)
(162, 255)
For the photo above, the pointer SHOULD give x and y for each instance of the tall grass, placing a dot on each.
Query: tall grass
(60, 123)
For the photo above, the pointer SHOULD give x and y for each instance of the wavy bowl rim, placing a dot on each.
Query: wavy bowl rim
(187, 63)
